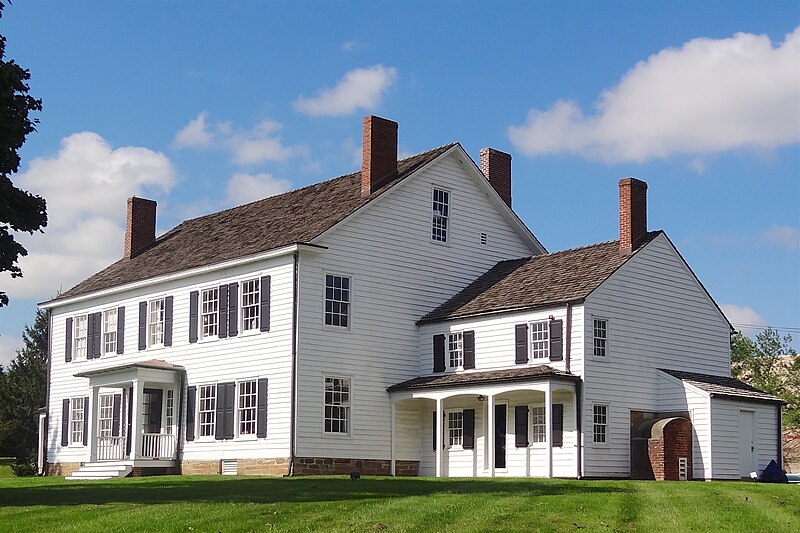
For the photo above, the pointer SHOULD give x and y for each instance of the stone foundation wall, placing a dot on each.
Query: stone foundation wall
(140, 471)
(326, 466)
(61, 469)
(249, 467)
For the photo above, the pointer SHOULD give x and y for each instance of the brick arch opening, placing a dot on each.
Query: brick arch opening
(661, 449)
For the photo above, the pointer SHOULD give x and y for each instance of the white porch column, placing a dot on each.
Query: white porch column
(136, 427)
(438, 437)
(548, 427)
(93, 414)
(392, 432)
(490, 432)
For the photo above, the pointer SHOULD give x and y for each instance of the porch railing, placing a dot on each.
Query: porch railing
(110, 448)
(158, 446)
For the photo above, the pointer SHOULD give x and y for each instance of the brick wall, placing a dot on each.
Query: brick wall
(141, 229)
(379, 155)
(496, 166)
(632, 212)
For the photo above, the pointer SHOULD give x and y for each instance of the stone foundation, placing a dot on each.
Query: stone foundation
(326, 466)
(61, 469)
(250, 467)
(140, 471)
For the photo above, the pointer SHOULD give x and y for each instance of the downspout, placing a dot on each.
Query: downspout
(43, 450)
(579, 424)
(780, 436)
(569, 336)
(293, 412)
(182, 403)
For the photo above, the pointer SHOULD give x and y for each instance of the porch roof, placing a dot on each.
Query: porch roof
(491, 377)
(154, 364)
(723, 386)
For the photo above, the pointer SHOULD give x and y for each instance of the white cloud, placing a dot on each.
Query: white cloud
(741, 317)
(244, 188)
(86, 185)
(361, 88)
(8, 349)
(710, 95)
(783, 236)
(195, 134)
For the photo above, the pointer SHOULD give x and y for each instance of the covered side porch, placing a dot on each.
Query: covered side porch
(521, 422)
(133, 415)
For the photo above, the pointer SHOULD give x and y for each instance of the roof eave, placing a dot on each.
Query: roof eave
(495, 312)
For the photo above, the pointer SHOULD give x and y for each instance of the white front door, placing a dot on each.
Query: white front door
(747, 445)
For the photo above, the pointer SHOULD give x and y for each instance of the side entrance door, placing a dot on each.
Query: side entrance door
(747, 445)
(500, 435)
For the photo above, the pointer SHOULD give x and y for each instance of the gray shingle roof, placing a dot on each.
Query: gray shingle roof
(293, 217)
(722, 385)
(528, 373)
(542, 280)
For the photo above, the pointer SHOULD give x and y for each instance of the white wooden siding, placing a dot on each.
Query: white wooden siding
(725, 438)
(674, 395)
(245, 356)
(658, 317)
(398, 275)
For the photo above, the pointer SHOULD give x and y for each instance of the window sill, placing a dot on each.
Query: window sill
(441, 243)
(251, 333)
(247, 438)
(339, 329)
(204, 340)
(155, 347)
(331, 435)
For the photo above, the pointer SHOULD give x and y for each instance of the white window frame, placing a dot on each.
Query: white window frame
(538, 425)
(539, 337)
(347, 406)
(595, 338)
(214, 315)
(454, 428)
(203, 425)
(604, 424)
(105, 415)
(456, 347)
(333, 300)
(108, 332)
(76, 405)
(437, 215)
(155, 329)
(78, 352)
(169, 411)
(252, 418)
(248, 305)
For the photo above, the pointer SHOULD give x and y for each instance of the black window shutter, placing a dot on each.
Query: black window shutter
(225, 400)
(521, 426)
(469, 349)
(469, 429)
(230, 410)
(264, 287)
(521, 343)
(433, 431)
(556, 340)
(65, 423)
(120, 330)
(115, 420)
(193, 316)
(98, 335)
(85, 420)
(558, 424)
(68, 347)
(261, 409)
(222, 315)
(142, 325)
(438, 353)
(233, 307)
(168, 320)
(90, 336)
(191, 395)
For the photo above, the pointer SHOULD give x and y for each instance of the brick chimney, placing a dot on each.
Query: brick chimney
(379, 155)
(632, 212)
(496, 166)
(141, 229)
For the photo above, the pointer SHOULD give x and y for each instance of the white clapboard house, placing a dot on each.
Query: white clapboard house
(398, 320)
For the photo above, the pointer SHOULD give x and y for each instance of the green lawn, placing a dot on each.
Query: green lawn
(5, 468)
(242, 504)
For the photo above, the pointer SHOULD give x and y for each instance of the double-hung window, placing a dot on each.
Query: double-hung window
(337, 300)
(600, 423)
(110, 331)
(209, 313)
(246, 407)
(79, 337)
(155, 322)
(76, 420)
(337, 405)
(207, 409)
(600, 337)
(455, 428)
(440, 216)
(169, 415)
(106, 416)
(538, 426)
(540, 340)
(251, 300)
(455, 349)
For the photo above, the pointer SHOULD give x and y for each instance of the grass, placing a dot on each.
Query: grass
(5, 468)
(243, 504)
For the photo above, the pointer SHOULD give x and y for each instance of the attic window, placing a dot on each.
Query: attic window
(441, 215)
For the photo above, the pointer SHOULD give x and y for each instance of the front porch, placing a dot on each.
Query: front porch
(519, 422)
(133, 415)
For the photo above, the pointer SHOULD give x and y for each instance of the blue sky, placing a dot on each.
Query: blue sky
(205, 105)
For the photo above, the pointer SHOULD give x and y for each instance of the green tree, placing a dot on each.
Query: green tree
(23, 389)
(19, 210)
(762, 364)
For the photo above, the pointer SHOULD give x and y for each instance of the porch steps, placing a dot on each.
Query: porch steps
(101, 470)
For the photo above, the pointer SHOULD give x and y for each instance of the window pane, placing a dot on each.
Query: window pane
(337, 300)
(337, 405)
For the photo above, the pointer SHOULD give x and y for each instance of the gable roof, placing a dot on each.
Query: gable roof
(722, 386)
(542, 280)
(294, 217)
